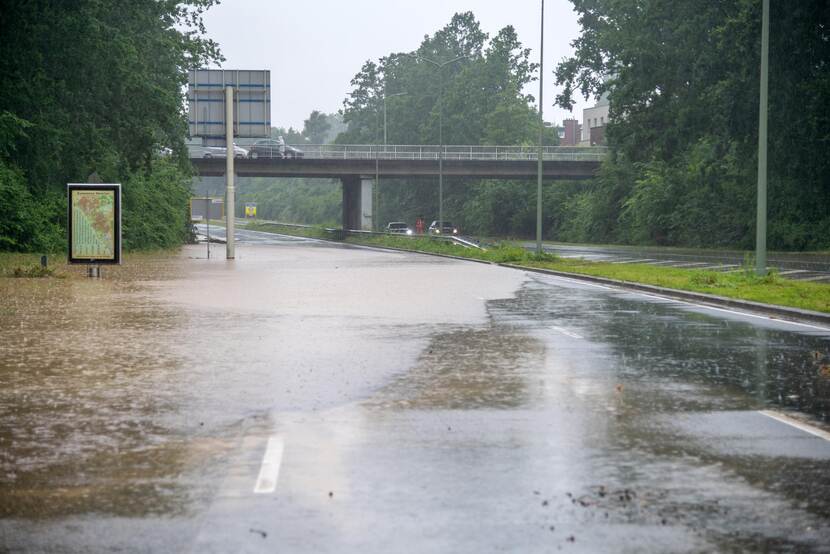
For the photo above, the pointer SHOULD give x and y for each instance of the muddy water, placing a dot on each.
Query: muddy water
(424, 404)
(121, 395)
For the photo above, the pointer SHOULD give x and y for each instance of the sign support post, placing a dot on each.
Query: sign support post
(230, 192)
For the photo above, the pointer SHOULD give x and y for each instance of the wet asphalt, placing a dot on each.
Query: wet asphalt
(308, 397)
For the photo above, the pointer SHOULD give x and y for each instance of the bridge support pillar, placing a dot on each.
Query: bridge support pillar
(358, 212)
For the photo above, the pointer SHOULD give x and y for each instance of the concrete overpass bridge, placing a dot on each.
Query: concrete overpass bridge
(359, 166)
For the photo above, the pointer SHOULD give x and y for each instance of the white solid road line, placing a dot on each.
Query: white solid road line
(566, 332)
(270, 470)
(792, 422)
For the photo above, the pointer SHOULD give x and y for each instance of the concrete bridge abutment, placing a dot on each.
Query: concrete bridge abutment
(358, 209)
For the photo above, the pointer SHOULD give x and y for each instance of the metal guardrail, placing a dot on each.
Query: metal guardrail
(339, 234)
(449, 152)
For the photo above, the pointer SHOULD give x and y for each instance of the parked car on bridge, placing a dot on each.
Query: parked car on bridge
(291, 152)
(217, 152)
(266, 148)
(447, 229)
(398, 228)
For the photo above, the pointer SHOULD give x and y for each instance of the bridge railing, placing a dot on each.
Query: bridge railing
(450, 152)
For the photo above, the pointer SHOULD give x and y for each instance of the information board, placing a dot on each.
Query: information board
(94, 223)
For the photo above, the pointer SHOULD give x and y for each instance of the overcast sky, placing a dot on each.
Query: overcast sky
(313, 49)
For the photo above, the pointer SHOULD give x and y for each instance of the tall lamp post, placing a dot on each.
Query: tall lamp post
(440, 67)
(376, 209)
(541, 136)
(761, 218)
(385, 96)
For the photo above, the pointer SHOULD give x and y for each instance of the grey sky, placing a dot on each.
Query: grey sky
(313, 49)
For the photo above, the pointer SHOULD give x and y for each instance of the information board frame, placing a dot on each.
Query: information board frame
(212, 201)
(74, 191)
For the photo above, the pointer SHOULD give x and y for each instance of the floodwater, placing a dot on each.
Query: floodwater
(419, 404)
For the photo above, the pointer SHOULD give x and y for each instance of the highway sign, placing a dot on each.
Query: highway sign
(206, 102)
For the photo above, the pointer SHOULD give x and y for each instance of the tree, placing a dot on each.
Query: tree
(97, 86)
(683, 80)
(316, 127)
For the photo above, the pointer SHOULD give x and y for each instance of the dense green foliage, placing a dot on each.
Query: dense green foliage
(683, 81)
(483, 104)
(93, 86)
(306, 201)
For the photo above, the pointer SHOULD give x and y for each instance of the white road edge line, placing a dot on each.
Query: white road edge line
(566, 332)
(269, 472)
(792, 422)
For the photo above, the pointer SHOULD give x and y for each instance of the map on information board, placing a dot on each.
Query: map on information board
(94, 217)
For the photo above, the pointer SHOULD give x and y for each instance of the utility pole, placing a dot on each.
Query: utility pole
(541, 135)
(761, 219)
(229, 159)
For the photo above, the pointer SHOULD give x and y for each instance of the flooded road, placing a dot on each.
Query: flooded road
(316, 398)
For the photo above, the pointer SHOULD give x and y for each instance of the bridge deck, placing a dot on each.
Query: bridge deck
(338, 160)
(333, 168)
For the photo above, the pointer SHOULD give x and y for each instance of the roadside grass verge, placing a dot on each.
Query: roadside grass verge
(317, 232)
(742, 285)
(501, 253)
(13, 264)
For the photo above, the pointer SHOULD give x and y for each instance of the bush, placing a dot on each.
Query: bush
(27, 224)
(155, 213)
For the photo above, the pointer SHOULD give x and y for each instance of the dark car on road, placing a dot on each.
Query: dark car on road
(447, 229)
(398, 228)
(266, 148)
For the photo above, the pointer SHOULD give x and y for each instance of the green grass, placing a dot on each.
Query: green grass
(743, 285)
(501, 253)
(310, 232)
(28, 265)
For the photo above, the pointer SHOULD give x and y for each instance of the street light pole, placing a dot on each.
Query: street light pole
(385, 96)
(441, 151)
(440, 67)
(230, 198)
(761, 218)
(541, 135)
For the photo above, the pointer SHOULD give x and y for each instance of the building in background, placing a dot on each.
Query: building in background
(594, 120)
(572, 132)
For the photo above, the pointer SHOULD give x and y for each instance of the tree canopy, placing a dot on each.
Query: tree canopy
(96, 86)
(683, 82)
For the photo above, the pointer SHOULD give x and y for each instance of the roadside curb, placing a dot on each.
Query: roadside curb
(770, 310)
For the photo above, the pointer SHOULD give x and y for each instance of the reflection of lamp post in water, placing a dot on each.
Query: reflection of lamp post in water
(207, 216)
(440, 67)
